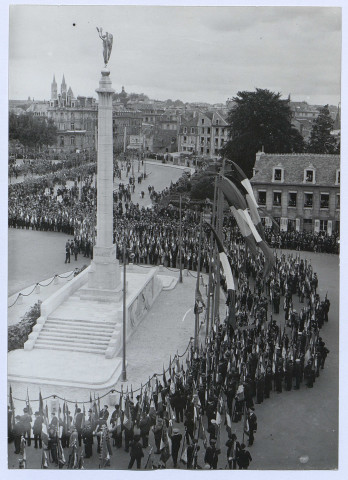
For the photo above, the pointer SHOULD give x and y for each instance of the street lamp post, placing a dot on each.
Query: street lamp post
(124, 373)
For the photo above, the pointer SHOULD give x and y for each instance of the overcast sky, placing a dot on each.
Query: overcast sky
(191, 53)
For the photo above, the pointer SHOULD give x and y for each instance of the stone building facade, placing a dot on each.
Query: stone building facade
(75, 119)
(124, 125)
(300, 191)
(203, 133)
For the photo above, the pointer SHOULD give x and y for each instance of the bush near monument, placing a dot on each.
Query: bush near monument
(18, 334)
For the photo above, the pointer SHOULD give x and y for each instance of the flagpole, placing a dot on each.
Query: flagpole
(180, 244)
(211, 250)
(219, 231)
(124, 373)
(197, 283)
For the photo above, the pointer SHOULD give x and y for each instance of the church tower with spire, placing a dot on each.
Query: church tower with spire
(54, 91)
(63, 90)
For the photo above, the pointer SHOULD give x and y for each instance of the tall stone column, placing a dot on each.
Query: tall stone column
(105, 271)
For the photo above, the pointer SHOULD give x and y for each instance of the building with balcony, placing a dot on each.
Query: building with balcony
(300, 191)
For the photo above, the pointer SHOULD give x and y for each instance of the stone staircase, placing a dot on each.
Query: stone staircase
(75, 327)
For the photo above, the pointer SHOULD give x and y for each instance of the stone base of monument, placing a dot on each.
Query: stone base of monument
(77, 341)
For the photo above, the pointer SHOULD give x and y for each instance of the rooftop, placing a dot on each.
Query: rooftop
(294, 165)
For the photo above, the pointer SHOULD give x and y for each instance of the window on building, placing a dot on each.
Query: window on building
(309, 176)
(208, 151)
(261, 197)
(202, 150)
(61, 141)
(278, 175)
(223, 131)
(222, 141)
(338, 201)
(277, 199)
(337, 227)
(338, 177)
(292, 199)
(185, 130)
(185, 138)
(192, 130)
(217, 122)
(307, 225)
(208, 130)
(324, 200)
(216, 131)
(323, 226)
(216, 142)
(203, 131)
(202, 121)
(72, 140)
(202, 140)
(72, 126)
(308, 200)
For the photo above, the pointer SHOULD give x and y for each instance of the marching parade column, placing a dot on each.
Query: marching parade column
(105, 270)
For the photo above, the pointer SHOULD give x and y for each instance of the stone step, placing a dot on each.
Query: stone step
(70, 330)
(77, 321)
(48, 346)
(80, 327)
(51, 336)
(78, 344)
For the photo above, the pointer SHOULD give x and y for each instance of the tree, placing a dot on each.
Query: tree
(321, 140)
(257, 120)
(202, 186)
(32, 131)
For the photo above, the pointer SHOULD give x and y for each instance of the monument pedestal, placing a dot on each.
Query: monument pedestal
(104, 277)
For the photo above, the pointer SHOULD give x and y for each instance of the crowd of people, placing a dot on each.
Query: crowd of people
(178, 419)
(212, 388)
(303, 241)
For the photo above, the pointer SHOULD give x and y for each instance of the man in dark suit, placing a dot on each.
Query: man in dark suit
(176, 440)
(78, 424)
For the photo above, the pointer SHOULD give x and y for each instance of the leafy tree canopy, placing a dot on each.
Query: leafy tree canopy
(32, 131)
(321, 140)
(260, 119)
(202, 186)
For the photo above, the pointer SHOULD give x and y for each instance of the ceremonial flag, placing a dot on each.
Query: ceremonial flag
(127, 420)
(164, 377)
(60, 454)
(41, 405)
(22, 450)
(228, 278)
(12, 408)
(44, 460)
(236, 199)
(243, 180)
(244, 184)
(83, 421)
(164, 445)
(27, 402)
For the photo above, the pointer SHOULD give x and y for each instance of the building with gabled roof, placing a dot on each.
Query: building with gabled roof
(301, 191)
(203, 133)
